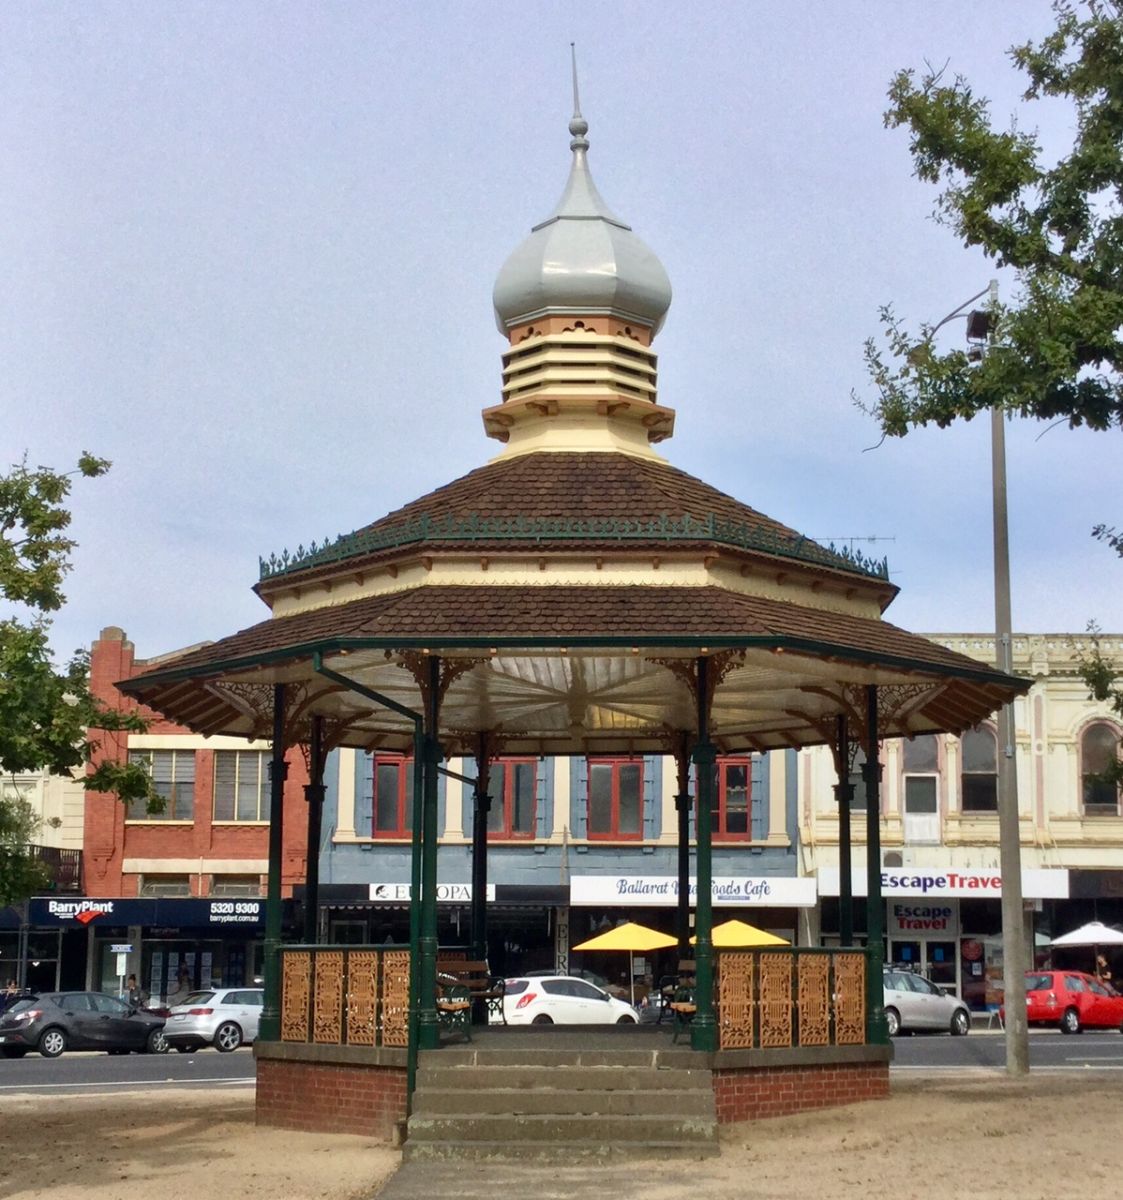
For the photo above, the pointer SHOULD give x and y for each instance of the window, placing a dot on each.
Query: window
(514, 793)
(393, 796)
(920, 764)
(980, 770)
(173, 774)
(858, 782)
(734, 807)
(165, 885)
(1099, 750)
(241, 785)
(236, 885)
(615, 798)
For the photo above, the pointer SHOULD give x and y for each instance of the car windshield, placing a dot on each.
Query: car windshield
(1038, 983)
(196, 998)
(513, 987)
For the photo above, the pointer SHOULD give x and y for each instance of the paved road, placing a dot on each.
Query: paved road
(102, 1073)
(1048, 1051)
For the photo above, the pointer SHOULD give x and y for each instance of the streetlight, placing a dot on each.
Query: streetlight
(980, 327)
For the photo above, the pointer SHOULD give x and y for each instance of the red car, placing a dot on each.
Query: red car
(1072, 1000)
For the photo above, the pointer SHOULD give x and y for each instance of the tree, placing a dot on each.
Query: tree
(1055, 351)
(46, 713)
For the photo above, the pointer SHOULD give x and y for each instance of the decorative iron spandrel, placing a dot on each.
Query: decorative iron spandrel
(735, 1000)
(362, 998)
(775, 1000)
(327, 998)
(849, 999)
(296, 985)
(395, 997)
(814, 999)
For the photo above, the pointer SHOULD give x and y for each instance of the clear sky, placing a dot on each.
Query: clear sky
(248, 249)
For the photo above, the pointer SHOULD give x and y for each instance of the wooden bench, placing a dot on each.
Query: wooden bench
(473, 981)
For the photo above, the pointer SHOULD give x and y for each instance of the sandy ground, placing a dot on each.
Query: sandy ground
(978, 1134)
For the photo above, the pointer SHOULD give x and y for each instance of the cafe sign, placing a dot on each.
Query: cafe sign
(726, 891)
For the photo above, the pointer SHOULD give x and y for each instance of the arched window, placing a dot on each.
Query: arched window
(921, 763)
(1099, 751)
(979, 750)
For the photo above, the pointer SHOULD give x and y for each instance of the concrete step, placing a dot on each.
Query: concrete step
(601, 1079)
(559, 1127)
(543, 1056)
(520, 1100)
(560, 1152)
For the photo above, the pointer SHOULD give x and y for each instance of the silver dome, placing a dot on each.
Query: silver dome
(582, 259)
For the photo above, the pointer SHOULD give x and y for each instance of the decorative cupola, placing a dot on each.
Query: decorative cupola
(580, 302)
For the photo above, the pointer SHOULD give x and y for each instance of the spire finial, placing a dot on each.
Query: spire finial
(578, 126)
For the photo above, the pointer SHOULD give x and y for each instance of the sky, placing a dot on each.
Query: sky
(247, 254)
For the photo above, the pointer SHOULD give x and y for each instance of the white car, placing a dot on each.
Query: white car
(562, 1000)
(913, 1002)
(220, 1017)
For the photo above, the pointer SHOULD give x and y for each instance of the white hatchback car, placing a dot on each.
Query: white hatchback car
(562, 1000)
(913, 1002)
(220, 1017)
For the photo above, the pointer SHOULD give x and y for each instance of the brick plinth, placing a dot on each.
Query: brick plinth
(750, 1093)
(331, 1097)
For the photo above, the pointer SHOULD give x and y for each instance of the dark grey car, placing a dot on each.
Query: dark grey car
(52, 1022)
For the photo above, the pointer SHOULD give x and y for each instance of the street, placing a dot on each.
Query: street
(1099, 1050)
(93, 1074)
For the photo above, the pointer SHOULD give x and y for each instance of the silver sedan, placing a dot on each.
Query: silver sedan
(220, 1017)
(913, 1002)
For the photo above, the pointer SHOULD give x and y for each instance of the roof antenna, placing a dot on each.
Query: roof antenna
(578, 126)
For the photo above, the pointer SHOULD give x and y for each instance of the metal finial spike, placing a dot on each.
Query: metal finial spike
(578, 126)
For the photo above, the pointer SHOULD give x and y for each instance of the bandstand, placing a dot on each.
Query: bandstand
(577, 595)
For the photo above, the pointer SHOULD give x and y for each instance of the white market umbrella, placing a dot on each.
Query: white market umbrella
(1095, 933)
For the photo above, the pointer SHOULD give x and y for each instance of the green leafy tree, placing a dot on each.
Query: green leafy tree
(1055, 351)
(46, 713)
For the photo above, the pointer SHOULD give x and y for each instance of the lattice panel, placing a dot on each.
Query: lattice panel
(327, 998)
(735, 1000)
(296, 982)
(362, 997)
(775, 1000)
(814, 999)
(850, 999)
(395, 997)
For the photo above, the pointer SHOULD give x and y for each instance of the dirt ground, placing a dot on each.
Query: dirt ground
(979, 1134)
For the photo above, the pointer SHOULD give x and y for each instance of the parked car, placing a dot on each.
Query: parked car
(613, 989)
(52, 1022)
(562, 1000)
(1072, 1001)
(913, 1002)
(220, 1017)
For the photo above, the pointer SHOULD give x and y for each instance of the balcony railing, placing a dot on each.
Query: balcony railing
(64, 867)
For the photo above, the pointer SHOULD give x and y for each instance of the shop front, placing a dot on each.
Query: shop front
(944, 922)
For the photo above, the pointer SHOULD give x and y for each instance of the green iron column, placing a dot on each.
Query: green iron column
(482, 806)
(314, 795)
(270, 1022)
(876, 1029)
(428, 1024)
(682, 808)
(703, 1029)
(844, 794)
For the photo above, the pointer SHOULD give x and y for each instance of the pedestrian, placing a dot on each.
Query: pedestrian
(10, 994)
(133, 996)
(1103, 971)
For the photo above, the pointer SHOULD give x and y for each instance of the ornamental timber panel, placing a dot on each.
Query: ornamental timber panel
(775, 1000)
(327, 1002)
(362, 997)
(296, 981)
(735, 1000)
(814, 999)
(850, 999)
(395, 997)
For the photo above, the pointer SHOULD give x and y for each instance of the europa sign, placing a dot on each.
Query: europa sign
(447, 893)
(657, 890)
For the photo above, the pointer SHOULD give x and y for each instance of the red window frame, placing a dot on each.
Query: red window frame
(614, 833)
(403, 825)
(719, 829)
(502, 800)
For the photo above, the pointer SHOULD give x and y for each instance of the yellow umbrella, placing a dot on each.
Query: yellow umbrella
(630, 937)
(740, 933)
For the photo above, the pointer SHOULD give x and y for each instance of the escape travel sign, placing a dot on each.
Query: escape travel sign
(969, 882)
(658, 890)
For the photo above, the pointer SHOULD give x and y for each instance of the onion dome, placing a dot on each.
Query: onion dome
(582, 260)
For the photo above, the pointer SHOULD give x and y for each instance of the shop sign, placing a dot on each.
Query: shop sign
(447, 893)
(918, 920)
(84, 911)
(658, 890)
(173, 913)
(235, 912)
(121, 948)
(964, 882)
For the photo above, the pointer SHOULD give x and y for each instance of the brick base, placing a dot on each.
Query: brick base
(331, 1098)
(750, 1093)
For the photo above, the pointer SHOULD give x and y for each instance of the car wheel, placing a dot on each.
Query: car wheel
(12, 1051)
(960, 1023)
(227, 1037)
(156, 1043)
(542, 1019)
(625, 1020)
(52, 1043)
(1070, 1022)
(892, 1021)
